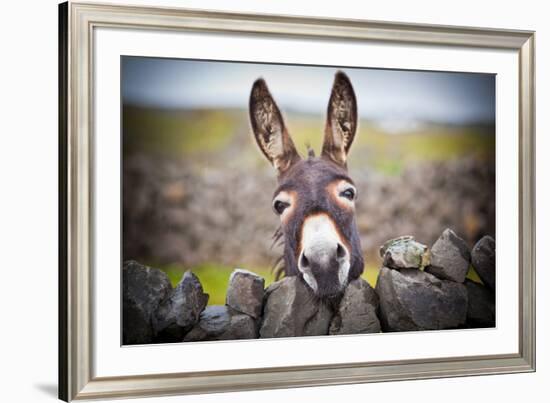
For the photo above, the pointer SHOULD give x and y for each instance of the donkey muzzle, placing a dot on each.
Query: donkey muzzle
(324, 259)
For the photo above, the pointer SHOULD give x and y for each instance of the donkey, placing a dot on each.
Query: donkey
(315, 197)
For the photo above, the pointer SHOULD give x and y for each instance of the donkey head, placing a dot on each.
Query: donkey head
(315, 197)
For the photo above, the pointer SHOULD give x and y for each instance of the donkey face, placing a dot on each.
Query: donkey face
(315, 197)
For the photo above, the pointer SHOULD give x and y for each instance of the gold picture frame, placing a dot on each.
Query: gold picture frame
(76, 26)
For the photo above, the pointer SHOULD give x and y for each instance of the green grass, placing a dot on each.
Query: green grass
(370, 274)
(472, 275)
(177, 132)
(221, 133)
(391, 153)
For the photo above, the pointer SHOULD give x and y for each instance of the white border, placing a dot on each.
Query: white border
(110, 359)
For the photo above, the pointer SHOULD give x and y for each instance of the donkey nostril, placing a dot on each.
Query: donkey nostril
(340, 252)
(303, 260)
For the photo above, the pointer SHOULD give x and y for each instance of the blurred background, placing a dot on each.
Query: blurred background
(197, 191)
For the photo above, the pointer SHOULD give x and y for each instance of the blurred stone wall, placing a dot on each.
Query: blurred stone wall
(174, 212)
(418, 288)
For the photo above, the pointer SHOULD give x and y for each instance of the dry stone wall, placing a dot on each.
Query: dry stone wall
(418, 288)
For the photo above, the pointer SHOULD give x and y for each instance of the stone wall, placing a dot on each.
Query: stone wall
(169, 206)
(418, 288)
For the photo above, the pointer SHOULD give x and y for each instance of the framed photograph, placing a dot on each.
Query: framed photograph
(260, 201)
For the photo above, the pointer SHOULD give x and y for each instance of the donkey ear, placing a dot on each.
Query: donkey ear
(341, 120)
(269, 129)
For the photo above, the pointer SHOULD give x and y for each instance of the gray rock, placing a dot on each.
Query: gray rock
(143, 289)
(481, 305)
(411, 299)
(357, 310)
(178, 313)
(215, 319)
(220, 322)
(136, 324)
(245, 292)
(450, 257)
(319, 323)
(291, 309)
(404, 253)
(241, 327)
(483, 260)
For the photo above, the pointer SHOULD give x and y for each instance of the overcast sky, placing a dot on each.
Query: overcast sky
(384, 95)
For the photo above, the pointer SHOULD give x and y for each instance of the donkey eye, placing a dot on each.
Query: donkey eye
(280, 206)
(348, 194)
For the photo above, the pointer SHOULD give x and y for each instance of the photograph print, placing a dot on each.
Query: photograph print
(270, 200)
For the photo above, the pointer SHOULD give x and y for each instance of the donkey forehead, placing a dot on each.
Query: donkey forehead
(312, 174)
